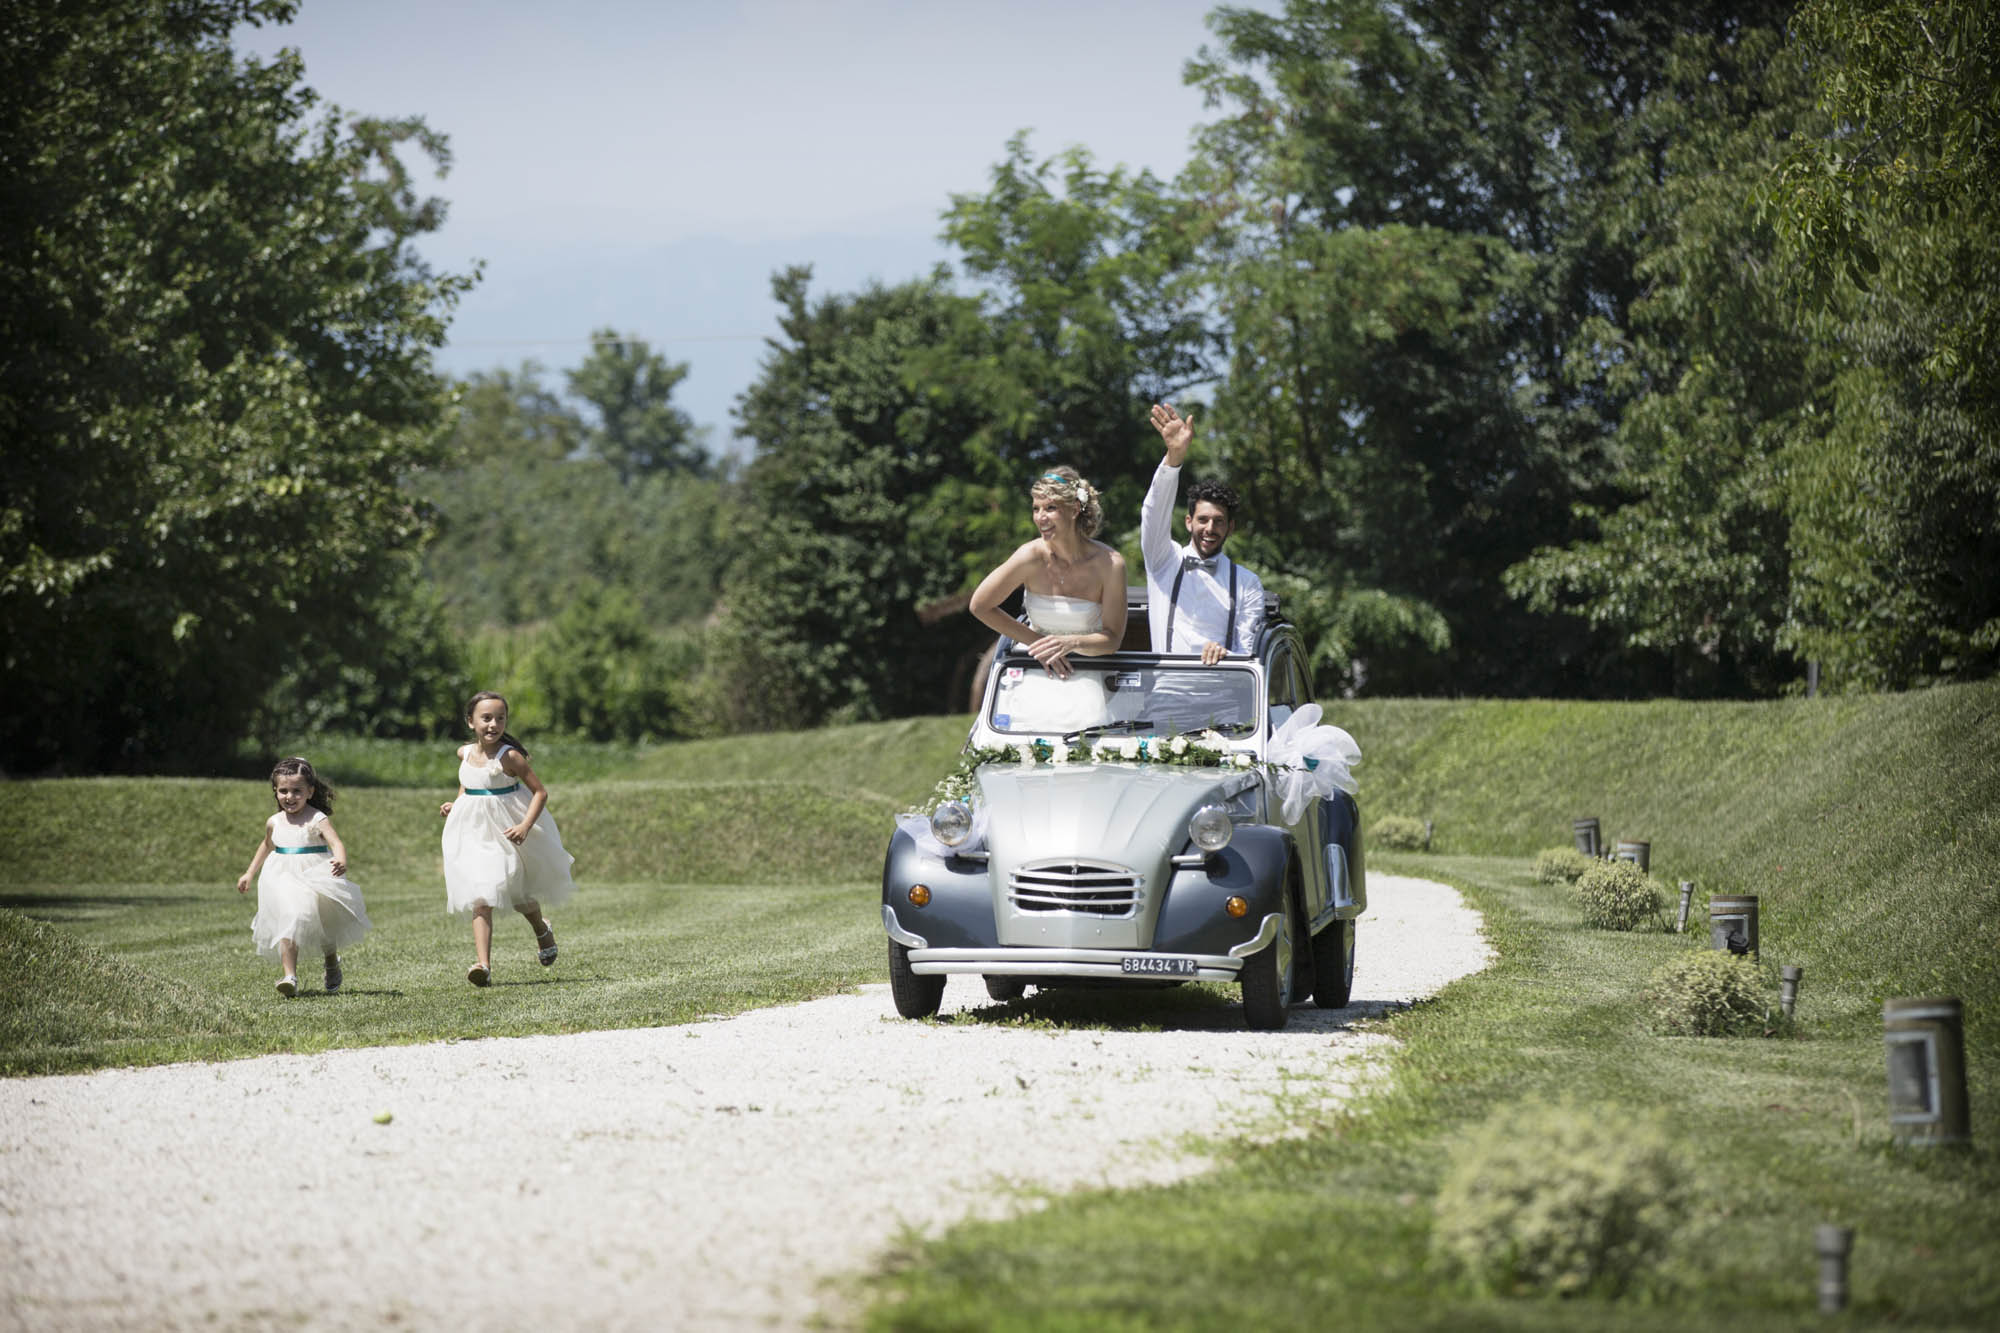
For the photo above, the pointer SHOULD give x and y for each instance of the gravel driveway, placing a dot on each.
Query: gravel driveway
(707, 1176)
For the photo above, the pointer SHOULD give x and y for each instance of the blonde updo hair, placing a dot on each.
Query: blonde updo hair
(1066, 485)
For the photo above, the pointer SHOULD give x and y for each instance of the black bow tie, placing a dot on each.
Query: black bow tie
(1196, 562)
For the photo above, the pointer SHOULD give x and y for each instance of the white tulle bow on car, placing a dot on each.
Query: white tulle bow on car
(1310, 760)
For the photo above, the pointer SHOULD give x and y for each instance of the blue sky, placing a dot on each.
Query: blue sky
(648, 166)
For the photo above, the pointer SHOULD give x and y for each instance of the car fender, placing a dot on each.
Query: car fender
(1252, 867)
(960, 912)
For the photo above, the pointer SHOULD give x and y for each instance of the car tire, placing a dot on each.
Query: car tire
(916, 997)
(1004, 989)
(1333, 965)
(1267, 981)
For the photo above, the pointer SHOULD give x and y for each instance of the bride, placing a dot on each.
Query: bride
(1074, 591)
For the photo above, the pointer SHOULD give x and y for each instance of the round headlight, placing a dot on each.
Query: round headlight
(951, 823)
(1211, 828)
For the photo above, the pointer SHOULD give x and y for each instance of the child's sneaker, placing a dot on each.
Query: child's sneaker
(333, 974)
(288, 986)
(478, 975)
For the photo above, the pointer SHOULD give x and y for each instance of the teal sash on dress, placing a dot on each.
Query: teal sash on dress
(492, 791)
(300, 851)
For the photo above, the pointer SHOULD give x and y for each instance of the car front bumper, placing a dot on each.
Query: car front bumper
(1096, 964)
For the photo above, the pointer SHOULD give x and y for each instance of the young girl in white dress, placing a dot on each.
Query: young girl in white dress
(1073, 589)
(501, 847)
(304, 900)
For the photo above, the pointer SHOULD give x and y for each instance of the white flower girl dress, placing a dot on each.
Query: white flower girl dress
(298, 896)
(480, 865)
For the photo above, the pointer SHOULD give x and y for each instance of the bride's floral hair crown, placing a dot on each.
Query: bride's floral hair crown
(1065, 483)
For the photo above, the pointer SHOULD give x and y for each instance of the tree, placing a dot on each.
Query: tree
(639, 431)
(1811, 461)
(1887, 217)
(1414, 225)
(855, 429)
(602, 673)
(526, 525)
(1692, 556)
(219, 363)
(1092, 310)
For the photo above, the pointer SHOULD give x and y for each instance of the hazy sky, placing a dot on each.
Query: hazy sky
(647, 166)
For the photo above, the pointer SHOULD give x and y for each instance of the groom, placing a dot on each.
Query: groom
(1198, 599)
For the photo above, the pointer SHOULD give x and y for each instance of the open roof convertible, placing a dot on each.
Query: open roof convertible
(1149, 821)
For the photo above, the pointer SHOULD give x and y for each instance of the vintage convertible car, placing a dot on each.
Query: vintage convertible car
(1131, 827)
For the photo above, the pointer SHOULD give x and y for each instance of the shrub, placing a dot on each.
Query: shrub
(1707, 993)
(1561, 1199)
(1561, 865)
(1616, 895)
(1398, 833)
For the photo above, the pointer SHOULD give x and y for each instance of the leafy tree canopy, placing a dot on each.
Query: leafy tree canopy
(638, 431)
(528, 521)
(219, 345)
(1887, 217)
(856, 428)
(1416, 215)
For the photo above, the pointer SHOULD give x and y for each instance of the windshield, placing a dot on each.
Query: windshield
(1111, 699)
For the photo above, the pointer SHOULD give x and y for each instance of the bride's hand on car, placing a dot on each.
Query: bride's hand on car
(1052, 651)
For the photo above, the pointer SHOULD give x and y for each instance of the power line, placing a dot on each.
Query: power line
(606, 342)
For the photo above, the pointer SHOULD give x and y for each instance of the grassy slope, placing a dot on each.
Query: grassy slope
(698, 895)
(1869, 829)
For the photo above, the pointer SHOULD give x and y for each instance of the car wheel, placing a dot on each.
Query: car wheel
(916, 997)
(1004, 989)
(1333, 965)
(1267, 981)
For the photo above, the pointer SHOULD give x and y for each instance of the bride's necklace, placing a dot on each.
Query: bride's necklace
(1059, 570)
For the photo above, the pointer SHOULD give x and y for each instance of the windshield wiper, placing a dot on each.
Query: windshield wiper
(1109, 729)
(1225, 729)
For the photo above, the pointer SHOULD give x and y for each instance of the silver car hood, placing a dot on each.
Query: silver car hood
(1133, 815)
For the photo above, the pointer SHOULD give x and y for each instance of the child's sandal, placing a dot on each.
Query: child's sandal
(478, 975)
(547, 954)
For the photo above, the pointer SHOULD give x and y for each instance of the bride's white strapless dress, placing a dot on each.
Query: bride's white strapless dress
(1039, 702)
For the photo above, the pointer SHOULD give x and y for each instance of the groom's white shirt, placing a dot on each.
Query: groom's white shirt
(1202, 613)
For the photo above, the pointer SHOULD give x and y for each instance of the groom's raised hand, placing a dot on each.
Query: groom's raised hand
(1175, 429)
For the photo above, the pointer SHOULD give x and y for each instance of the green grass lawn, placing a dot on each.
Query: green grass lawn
(725, 874)
(1333, 1229)
(99, 974)
(133, 946)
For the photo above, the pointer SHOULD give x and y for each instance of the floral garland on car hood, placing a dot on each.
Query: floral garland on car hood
(1208, 749)
(1305, 758)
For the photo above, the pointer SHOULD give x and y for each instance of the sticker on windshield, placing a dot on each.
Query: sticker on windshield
(1014, 673)
(1001, 721)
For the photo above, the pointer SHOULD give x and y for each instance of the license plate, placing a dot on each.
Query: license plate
(1159, 965)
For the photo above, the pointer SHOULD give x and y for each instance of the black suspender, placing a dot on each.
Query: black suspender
(1174, 606)
(1229, 631)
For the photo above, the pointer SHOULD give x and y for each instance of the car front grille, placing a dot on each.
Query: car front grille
(1075, 886)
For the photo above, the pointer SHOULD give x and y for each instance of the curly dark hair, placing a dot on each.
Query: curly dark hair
(1216, 493)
